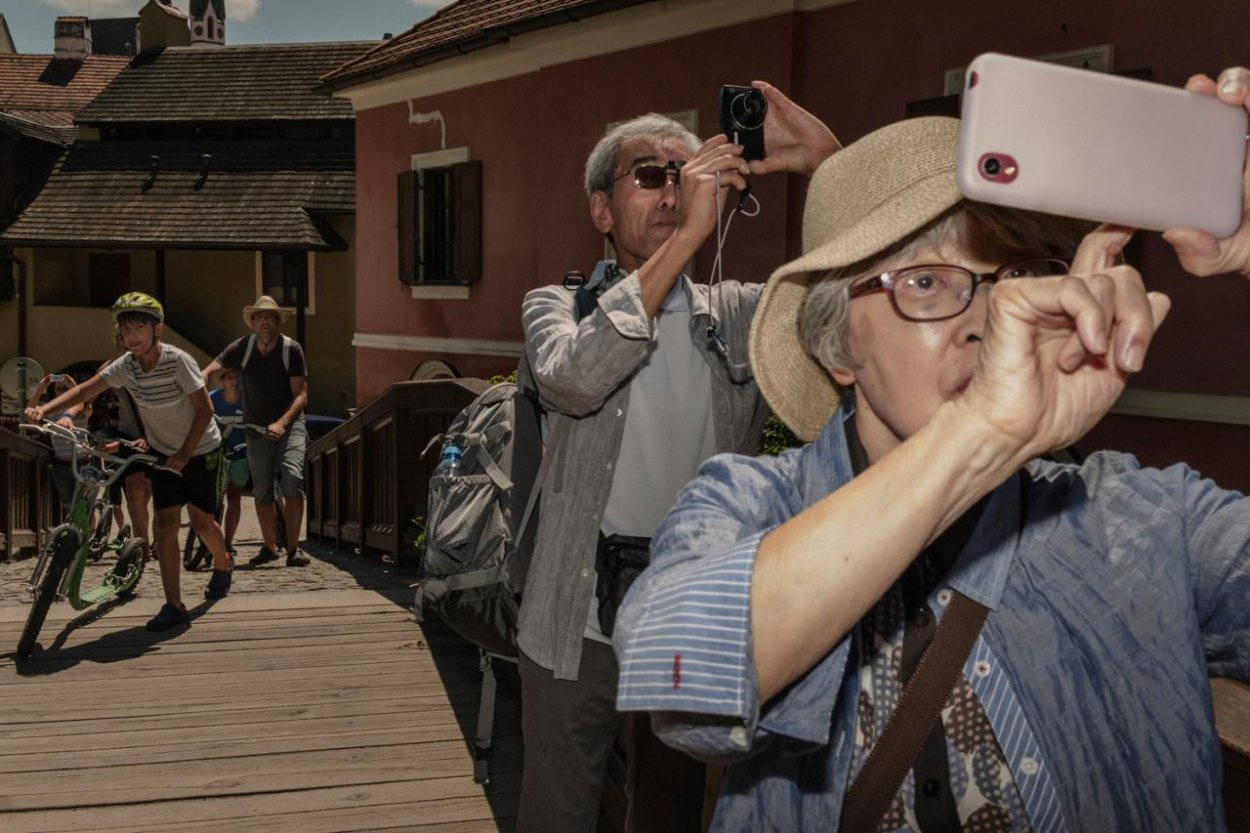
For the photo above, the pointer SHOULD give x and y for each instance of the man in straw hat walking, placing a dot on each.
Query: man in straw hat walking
(275, 392)
(915, 622)
(639, 391)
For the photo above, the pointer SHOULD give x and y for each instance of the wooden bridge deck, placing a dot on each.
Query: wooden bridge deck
(315, 712)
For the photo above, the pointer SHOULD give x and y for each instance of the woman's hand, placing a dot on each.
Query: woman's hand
(1057, 352)
(794, 139)
(1201, 253)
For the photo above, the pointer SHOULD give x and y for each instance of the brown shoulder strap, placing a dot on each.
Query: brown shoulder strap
(919, 708)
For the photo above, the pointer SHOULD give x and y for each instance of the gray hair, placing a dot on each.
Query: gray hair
(602, 160)
(825, 315)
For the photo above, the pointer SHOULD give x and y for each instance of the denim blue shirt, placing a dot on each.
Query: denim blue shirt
(1114, 592)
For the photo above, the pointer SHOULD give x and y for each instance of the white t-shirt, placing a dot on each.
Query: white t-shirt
(669, 431)
(161, 395)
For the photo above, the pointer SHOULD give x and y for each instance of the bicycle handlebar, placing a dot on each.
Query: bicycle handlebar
(84, 444)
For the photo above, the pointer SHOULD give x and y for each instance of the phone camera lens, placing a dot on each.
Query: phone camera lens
(992, 166)
(748, 110)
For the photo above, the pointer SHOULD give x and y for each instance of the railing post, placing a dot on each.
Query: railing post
(366, 476)
(6, 501)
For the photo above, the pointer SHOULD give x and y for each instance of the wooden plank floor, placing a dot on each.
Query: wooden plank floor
(315, 712)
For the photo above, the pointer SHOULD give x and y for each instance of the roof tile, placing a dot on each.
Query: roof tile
(256, 195)
(230, 83)
(462, 27)
(42, 82)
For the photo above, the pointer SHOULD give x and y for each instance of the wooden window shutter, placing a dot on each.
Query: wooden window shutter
(467, 245)
(409, 258)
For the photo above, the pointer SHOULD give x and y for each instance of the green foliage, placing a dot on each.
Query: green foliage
(495, 380)
(413, 539)
(777, 437)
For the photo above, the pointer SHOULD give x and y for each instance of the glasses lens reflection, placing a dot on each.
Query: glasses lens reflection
(929, 293)
(651, 177)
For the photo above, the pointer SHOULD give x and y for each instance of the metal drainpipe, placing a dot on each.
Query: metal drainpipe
(160, 278)
(301, 303)
(19, 289)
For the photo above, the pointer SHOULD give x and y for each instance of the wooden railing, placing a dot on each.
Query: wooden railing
(1232, 719)
(28, 500)
(366, 481)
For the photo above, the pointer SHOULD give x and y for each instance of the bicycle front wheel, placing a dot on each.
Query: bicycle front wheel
(63, 545)
(129, 567)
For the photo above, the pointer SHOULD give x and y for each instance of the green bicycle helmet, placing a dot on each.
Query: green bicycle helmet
(140, 302)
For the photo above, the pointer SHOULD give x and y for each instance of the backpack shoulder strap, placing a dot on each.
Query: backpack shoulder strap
(286, 353)
(247, 351)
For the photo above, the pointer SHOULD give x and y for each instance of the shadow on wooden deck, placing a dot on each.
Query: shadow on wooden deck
(317, 711)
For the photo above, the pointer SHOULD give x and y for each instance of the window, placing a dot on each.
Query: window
(8, 283)
(108, 277)
(440, 224)
(282, 273)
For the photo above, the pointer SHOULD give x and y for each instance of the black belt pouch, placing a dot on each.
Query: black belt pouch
(618, 562)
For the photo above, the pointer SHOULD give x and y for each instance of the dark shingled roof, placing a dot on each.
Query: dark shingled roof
(229, 83)
(464, 27)
(53, 126)
(257, 195)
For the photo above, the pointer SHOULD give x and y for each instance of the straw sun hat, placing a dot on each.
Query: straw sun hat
(862, 200)
(266, 303)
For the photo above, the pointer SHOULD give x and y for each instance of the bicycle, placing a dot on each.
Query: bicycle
(195, 554)
(102, 525)
(61, 562)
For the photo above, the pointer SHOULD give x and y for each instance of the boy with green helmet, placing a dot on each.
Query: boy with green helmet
(177, 417)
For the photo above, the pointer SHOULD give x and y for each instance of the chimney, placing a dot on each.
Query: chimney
(73, 38)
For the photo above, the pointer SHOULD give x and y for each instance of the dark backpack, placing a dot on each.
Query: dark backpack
(480, 523)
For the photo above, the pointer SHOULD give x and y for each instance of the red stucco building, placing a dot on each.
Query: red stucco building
(526, 88)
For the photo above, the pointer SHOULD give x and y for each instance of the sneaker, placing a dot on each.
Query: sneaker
(263, 557)
(295, 558)
(169, 617)
(219, 583)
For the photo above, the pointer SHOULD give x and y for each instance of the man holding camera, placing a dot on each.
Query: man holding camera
(639, 392)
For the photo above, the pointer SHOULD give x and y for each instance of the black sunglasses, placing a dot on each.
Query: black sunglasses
(650, 177)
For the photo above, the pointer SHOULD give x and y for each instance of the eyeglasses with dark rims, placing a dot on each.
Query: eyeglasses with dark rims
(650, 176)
(937, 291)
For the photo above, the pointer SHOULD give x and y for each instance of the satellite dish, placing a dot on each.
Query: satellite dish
(18, 376)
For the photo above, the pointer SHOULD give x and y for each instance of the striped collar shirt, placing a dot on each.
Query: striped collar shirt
(1114, 592)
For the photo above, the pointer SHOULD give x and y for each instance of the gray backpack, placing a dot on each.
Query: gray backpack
(480, 524)
(476, 546)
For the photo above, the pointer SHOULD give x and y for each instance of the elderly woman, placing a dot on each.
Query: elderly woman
(1059, 621)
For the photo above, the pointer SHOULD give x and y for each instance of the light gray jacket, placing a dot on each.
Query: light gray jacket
(582, 371)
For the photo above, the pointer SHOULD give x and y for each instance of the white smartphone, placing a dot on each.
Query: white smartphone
(1099, 147)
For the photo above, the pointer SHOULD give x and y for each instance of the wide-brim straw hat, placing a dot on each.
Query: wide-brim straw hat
(266, 303)
(861, 201)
